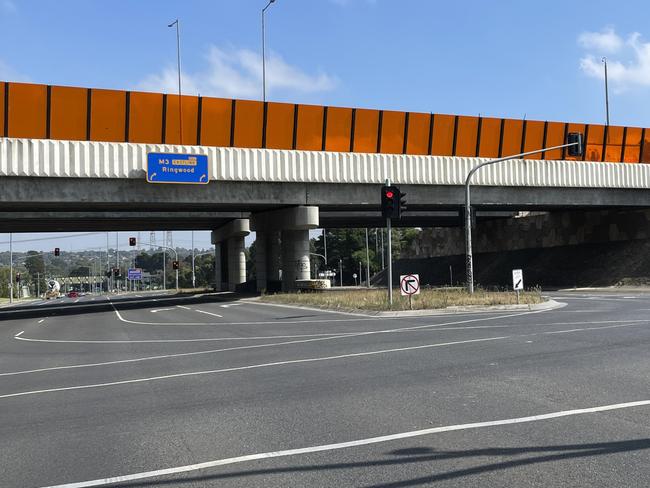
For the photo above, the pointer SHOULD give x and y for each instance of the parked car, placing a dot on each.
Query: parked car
(73, 294)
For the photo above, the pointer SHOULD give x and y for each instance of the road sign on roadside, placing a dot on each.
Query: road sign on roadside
(191, 169)
(409, 284)
(135, 274)
(517, 279)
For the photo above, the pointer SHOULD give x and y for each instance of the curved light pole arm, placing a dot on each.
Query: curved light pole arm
(468, 209)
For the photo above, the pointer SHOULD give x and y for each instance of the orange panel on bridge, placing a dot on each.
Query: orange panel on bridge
(418, 133)
(27, 110)
(632, 151)
(645, 152)
(2, 109)
(216, 116)
(366, 129)
(554, 137)
(145, 117)
(249, 120)
(594, 143)
(189, 111)
(392, 132)
(490, 137)
(534, 138)
(466, 135)
(442, 143)
(614, 144)
(279, 125)
(108, 115)
(339, 129)
(309, 132)
(68, 113)
(512, 136)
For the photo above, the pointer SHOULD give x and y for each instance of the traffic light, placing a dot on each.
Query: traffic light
(402, 204)
(575, 138)
(17, 277)
(116, 272)
(131, 241)
(57, 251)
(175, 265)
(393, 202)
(390, 202)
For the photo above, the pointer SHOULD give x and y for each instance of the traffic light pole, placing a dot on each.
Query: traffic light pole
(468, 207)
(390, 263)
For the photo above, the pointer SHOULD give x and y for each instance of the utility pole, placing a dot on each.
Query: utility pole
(340, 272)
(367, 261)
(325, 247)
(193, 273)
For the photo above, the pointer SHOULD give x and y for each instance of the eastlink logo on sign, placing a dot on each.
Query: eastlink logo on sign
(177, 168)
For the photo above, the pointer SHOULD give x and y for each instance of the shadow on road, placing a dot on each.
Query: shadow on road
(521, 456)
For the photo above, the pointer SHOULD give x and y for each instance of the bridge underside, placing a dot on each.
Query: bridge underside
(29, 204)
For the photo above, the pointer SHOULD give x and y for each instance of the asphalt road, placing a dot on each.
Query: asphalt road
(211, 391)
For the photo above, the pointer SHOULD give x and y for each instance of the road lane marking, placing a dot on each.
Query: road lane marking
(208, 313)
(252, 366)
(41, 321)
(183, 306)
(351, 444)
(19, 334)
(156, 310)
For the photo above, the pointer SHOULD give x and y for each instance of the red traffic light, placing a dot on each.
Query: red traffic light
(57, 251)
(389, 194)
(131, 241)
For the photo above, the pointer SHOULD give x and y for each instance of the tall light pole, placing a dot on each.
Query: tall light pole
(264, 53)
(11, 268)
(178, 57)
(576, 149)
(367, 261)
(604, 60)
(193, 273)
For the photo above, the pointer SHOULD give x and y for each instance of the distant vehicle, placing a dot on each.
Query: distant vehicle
(53, 289)
(73, 294)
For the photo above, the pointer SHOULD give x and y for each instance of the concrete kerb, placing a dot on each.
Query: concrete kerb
(549, 304)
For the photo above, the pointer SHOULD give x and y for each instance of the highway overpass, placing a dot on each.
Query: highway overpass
(75, 159)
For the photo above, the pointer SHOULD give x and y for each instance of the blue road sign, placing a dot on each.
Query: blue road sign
(135, 274)
(177, 168)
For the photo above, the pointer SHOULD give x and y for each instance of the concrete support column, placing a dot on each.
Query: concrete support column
(236, 262)
(229, 240)
(293, 247)
(295, 257)
(217, 267)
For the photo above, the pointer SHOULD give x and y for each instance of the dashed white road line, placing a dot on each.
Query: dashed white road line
(156, 310)
(351, 444)
(208, 313)
(41, 321)
(183, 306)
(19, 334)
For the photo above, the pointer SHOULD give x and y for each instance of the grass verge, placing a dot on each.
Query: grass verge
(432, 298)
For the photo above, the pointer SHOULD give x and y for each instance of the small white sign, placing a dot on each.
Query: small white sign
(517, 279)
(409, 284)
(354, 275)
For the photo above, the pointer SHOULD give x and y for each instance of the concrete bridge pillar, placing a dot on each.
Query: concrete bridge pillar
(230, 260)
(290, 249)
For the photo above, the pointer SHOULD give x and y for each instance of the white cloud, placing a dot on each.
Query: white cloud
(606, 41)
(238, 73)
(630, 68)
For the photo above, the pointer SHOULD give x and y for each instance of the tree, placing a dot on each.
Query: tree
(35, 263)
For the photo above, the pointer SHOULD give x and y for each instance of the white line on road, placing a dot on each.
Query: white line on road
(155, 310)
(208, 313)
(183, 306)
(252, 366)
(351, 444)
(19, 334)
(41, 321)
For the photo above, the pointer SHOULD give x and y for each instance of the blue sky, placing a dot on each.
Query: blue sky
(498, 58)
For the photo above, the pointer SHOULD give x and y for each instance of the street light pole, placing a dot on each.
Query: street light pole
(193, 272)
(178, 57)
(367, 261)
(468, 208)
(604, 60)
(264, 53)
(11, 268)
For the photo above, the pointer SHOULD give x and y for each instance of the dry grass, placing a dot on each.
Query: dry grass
(428, 299)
